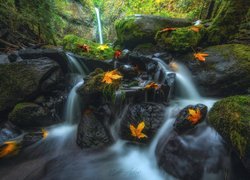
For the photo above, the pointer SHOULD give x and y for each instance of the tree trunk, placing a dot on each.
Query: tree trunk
(226, 23)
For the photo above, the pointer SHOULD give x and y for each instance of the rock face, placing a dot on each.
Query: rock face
(231, 118)
(150, 113)
(225, 72)
(189, 117)
(23, 80)
(27, 115)
(140, 29)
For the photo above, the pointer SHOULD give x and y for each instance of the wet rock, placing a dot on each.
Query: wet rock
(225, 72)
(231, 118)
(4, 59)
(92, 131)
(128, 71)
(189, 117)
(151, 114)
(28, 115)
(140, 29)
(8, 132)
(25, 79)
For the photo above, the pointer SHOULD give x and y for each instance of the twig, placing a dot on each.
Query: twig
(8, 44)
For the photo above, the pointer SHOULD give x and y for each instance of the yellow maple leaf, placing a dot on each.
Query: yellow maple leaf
(110, 76)
(137, 131)
(152, 85)
(200, 56)
(194, 115)
(103, 47)
(9, 147)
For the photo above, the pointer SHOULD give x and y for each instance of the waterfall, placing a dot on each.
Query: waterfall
(99, 25)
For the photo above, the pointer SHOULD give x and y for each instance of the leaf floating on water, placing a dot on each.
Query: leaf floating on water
(152, 85)
(200, 56)
(194, 115)
(137, 131)
(110, 76)
(9, 148)
(103, 47)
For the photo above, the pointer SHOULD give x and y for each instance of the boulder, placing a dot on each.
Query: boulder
(4, 59)
(225, 72)
(231, 119)
(29, 115)
(140, 29)
(151, 114)
(189, 117)
(24, 80)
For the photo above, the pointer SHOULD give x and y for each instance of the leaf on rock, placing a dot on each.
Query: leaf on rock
(137, 131)
(45, 133)
(110, 76)
(168, 29)
(195, 28)
(84, 47)
(174, 66)
(152, 85)
(9, 148)
(117, 54)
(194, 115)
(200, 56)
(103, 47)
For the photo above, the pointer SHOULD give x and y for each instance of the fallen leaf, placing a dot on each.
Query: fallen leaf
(110, 76)
(9, 147)
(117, 54)
(195, 28)
(200, 56)
(174, 66)
(152, 85)
(103, 47)
(168, 29)
(84, 47)
(45, 133)
(194, 115)
(137, 131)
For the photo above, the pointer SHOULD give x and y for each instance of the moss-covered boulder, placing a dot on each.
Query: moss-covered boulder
(140, 29)
(181, 39)
(225, 72)
(87, 48)
(23, 80)
(28, 115)
(231, 118)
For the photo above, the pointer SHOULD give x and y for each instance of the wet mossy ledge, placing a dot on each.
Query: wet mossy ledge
(87, 48)
(231, 119)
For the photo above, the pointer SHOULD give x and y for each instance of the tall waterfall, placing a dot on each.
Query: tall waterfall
(99, 25)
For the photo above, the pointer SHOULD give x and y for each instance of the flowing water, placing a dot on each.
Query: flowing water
(58, 157)
(99, 25)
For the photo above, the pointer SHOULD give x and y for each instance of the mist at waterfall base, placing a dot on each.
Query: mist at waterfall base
(58, 156)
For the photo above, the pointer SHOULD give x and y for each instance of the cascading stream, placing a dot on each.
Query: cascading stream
(99, 25)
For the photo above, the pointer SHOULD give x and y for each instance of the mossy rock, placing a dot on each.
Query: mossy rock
(28, 115)
(139, 29)
(231, 118)
(22, 80)
(71, 43)
(179, 40)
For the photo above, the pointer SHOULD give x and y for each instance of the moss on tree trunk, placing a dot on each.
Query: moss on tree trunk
(227, 20)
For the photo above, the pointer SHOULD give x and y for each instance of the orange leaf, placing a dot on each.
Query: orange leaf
(117, 54)
(195, 28)
(194, 115)
(9, 147)
(200, 56)
(168, 29)
(110, 76)
(152, 85)
(45, 133)
(84, 47)
(137, 131)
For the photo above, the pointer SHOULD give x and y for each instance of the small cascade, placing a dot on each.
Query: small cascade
(99, 25)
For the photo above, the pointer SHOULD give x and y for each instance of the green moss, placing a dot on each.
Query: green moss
(231, 118)
(180, 40)
(72, 42)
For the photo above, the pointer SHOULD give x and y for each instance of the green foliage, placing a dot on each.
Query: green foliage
(72, 42)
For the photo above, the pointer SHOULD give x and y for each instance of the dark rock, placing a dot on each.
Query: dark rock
(92, 133)
(28, 115)
(4, 59)
(24, 80)
(231, 118)
(225, 72)
(8, 132)
(141, 29)
(182, 122)
(151, 114)
(128, 71)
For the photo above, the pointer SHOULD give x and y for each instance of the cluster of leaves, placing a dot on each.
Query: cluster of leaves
(87, 48)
